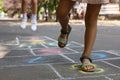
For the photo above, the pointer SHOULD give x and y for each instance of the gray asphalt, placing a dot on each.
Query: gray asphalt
(29, 55)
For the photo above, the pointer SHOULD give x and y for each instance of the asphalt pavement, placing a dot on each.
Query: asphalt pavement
(35, 55)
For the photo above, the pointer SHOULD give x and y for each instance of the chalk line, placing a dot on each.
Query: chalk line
(111, 64)
(67, 58)
(31, 51)
(57, 73)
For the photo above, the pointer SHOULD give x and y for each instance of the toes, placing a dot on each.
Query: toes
(87, 68)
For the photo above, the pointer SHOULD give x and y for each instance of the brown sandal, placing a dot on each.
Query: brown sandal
(85, 64)
(64, 41)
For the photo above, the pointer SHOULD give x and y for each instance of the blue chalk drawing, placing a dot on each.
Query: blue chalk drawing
(35, 60)
(99, 55)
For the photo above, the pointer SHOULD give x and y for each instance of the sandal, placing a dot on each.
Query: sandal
(62, 42)
(85, 64)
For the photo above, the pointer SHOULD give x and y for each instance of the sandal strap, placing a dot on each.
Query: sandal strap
(62, 40)
(85, 57)
(66, 32)
(87, 64)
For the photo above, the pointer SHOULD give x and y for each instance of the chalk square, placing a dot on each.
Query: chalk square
(18, 53)
(67, 71)
(39, 72)
(52, 51)
(29, 60)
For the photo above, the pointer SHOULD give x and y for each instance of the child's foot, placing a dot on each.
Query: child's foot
(87, 65)
(63, 38)
(33, 25)
(23, 23)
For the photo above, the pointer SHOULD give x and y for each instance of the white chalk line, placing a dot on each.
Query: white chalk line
(17, 41)
(111, 64)
(112, 52)
(109, 51)
(108, 78)
(50, 39)
(75, 51)
(80, 44)
(55, 71)
(44, 45)
(107, 59)
(67, 58)
(31, 51)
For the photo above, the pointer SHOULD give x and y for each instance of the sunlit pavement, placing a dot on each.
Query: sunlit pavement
(28, 55)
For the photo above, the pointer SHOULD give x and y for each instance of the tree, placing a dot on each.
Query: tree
(1, 5)
(49, 8)
(12, 7)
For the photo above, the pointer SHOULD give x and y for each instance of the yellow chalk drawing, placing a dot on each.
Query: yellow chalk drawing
(77, 67)
(34, 42)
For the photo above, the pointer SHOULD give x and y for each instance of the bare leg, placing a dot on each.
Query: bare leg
(91, 29)
(62, 14)
(24, 6)
(34, 6)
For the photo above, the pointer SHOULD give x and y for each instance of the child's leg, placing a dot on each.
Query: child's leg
(91, 29)
(24, 6)
(34, 6)
(24, 13)
(62, 15)
(34, 15)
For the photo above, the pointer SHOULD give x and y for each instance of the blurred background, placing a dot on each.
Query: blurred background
(47, 10)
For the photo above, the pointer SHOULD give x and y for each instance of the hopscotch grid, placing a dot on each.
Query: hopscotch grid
(42, 55)
(62, 54)
(65, 47)
(115, 58)
(58, 74)
(17, 40)
(29, 47)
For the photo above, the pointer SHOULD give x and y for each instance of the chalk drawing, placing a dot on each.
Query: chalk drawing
(48, 51)
(53, 44)
(35, 42)
(35, 60)
(31, 43)
(99, 55)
